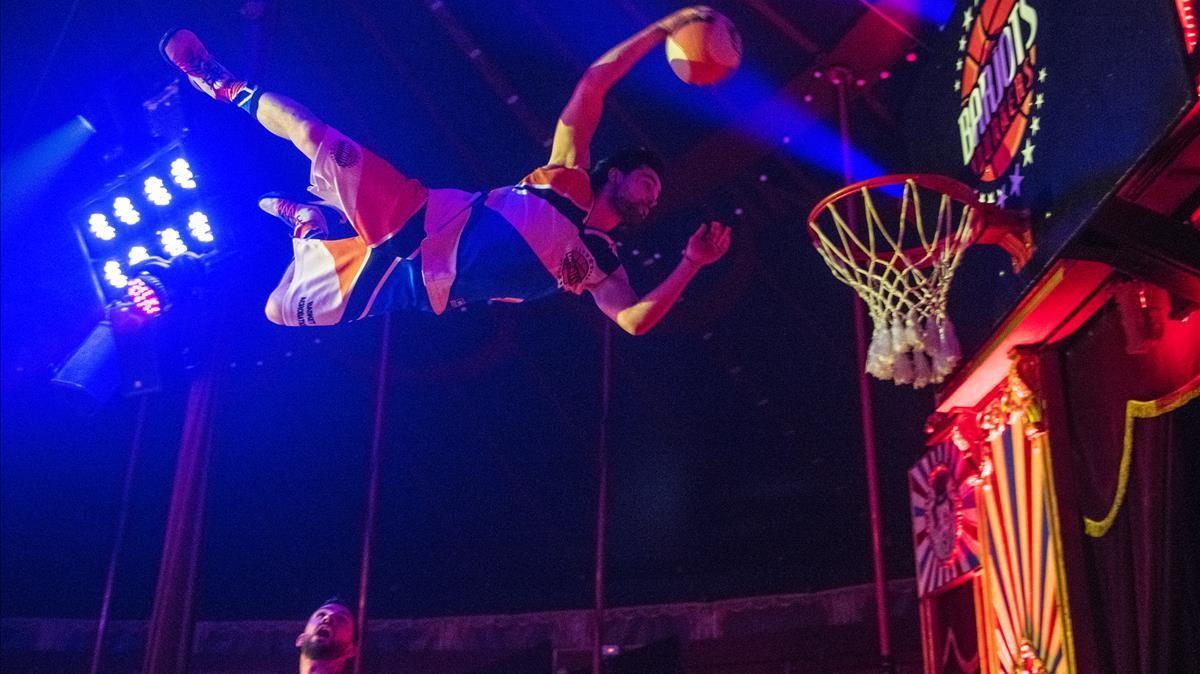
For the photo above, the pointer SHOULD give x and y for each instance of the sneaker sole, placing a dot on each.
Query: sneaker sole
(162, 45)
(288, 197)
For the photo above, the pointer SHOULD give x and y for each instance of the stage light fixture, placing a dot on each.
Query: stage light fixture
(162, 283)
(99, 225)
(124, 210)
(199, 227)
(91, 374)
(181, 172)
(145, 297)
(156, 192)
(118, 355)
(114, 275)
(138, 254)
(171, 242)
(120, 232)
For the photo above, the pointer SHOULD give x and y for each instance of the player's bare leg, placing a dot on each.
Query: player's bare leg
(278, 114)
(288, 119)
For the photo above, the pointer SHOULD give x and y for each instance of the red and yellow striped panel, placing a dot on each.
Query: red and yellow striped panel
(1022, 568)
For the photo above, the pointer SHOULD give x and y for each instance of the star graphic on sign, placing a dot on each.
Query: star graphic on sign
(1039, 101)
(957, 85)
(1014, 182)
(1027, 153)
(1042, 75)
(1001, 197)
(967, 18)
(1035, 125)
(958, 64)
(962, 43)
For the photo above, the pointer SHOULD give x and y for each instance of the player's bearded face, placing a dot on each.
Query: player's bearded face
(328, 634)
(636, 194)
(318, 648)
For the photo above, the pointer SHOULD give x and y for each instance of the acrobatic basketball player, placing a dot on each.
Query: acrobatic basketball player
(430, 249)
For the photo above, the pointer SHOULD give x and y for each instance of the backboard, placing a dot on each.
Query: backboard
(1045, 107)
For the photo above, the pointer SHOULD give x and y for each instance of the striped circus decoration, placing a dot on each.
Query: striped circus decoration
(1022, 565)
(945, 520)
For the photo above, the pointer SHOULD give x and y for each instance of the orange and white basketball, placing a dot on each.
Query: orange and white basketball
(705, 50)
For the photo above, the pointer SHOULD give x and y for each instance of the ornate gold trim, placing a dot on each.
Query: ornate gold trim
(1138, 409)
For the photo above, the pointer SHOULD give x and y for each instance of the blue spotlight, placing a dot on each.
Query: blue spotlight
(29, 171)
(809, 139)
(936, 12)
(755, 107)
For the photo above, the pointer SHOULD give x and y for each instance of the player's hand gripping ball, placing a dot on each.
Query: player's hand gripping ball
(703, 47)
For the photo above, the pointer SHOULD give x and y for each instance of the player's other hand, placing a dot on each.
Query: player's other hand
(676, 20)
(708, 244)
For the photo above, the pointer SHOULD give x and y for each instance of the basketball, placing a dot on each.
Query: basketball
(705, 50)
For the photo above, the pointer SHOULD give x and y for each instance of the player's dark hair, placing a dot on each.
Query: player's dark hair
(625, 160)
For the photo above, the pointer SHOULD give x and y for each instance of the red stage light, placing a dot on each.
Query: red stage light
(145, 298)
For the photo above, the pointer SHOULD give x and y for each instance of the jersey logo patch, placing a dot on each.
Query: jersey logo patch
(345, 154)
(576, 266)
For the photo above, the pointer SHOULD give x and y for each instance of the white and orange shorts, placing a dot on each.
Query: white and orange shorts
(342, 280)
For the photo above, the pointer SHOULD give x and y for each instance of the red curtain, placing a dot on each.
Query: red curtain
(953, 627)
(1132, 587)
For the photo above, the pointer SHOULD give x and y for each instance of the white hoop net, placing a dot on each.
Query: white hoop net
(902, 272)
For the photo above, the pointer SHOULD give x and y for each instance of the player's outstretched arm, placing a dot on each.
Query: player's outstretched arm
(637, 316)
(578, 121)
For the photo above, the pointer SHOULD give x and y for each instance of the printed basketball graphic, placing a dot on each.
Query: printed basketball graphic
(345, 154)
(998, 63)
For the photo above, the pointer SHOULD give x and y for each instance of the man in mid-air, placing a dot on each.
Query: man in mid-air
(430, 249)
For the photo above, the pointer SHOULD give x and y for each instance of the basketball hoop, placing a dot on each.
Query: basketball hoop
(900, 258)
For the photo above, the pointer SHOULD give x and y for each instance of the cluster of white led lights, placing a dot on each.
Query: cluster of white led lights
(158, 194)
(181, 173)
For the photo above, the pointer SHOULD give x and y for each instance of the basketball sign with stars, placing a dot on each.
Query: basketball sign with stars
(998, 80)
(1043, 107)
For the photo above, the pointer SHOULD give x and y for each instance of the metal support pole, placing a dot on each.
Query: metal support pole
(135, 450)
(602, 497)
(372, 489)
(840, 78)
(169, 635)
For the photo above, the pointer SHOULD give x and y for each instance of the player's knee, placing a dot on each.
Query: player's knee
(307, 135)
(274, 311)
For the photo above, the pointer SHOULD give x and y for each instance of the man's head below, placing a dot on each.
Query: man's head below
(630, 182)
(328, 639)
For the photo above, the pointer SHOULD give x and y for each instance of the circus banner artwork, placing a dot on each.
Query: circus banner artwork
(945, 520)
